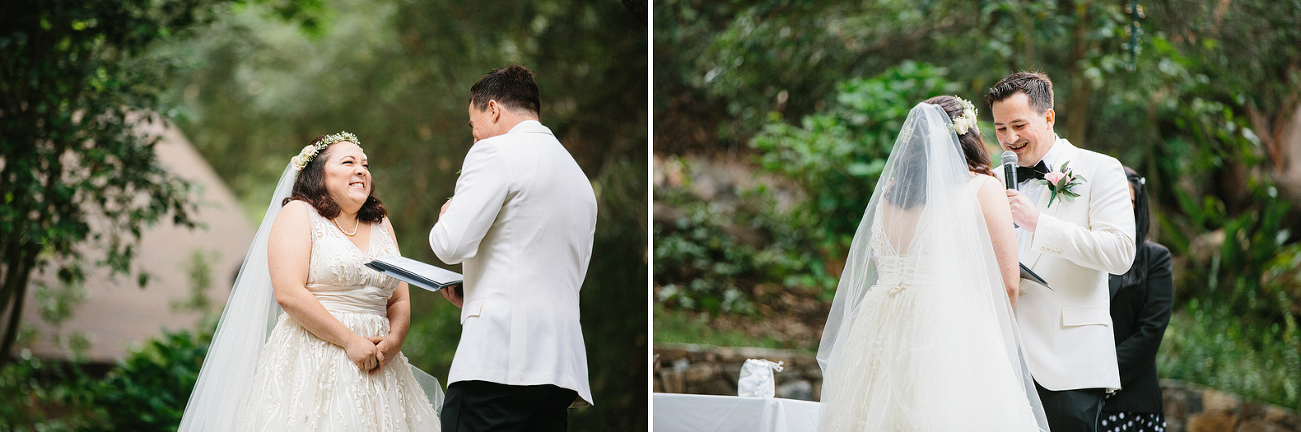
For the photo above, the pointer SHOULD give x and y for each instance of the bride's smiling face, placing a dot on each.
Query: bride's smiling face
(1023, 130)
(347, 176)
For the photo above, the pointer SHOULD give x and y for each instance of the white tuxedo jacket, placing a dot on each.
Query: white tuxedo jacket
(1066, 331)
(522, 223)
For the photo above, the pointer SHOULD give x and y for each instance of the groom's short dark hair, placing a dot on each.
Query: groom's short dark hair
(513, 87)
(1036, 86)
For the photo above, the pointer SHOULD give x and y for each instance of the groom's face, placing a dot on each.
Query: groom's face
(1023, 130)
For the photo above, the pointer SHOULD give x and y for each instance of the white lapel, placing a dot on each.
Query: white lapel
(1064, 154)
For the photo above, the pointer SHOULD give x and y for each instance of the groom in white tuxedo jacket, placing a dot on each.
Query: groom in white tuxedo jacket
(1072, 244)
(522, 223)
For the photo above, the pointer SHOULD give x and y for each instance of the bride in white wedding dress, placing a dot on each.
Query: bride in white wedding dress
(921, 335)
(332, 361)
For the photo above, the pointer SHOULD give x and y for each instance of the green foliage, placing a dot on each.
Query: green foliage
(199, 272)
(701, 265)
(1231, 225)
(55, 302)
(1215, 347)
(44, 395)
(55, 305)
(747, 59)
(76, 86)
(1247, 49)
(1229, 268)
(147, 392)
(731, 63)
(837, 155)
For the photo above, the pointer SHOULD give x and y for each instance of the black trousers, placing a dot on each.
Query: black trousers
(481, 406)
(1072, 410)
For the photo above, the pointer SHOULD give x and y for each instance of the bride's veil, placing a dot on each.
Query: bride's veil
(251, 311)
(924, 209)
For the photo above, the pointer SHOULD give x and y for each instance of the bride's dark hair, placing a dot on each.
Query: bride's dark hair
(912, 160)
(310, 187)
(972, 144)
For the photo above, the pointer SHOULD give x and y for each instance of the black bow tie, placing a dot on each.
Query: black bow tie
(1034, 172)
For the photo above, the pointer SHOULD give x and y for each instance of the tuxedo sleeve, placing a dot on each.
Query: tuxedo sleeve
(1135, 353)
(480, 194)
(1107, 243)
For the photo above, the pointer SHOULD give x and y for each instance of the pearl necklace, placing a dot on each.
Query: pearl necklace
(349, 234)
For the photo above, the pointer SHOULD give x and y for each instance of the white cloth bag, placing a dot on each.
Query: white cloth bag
(757, 380)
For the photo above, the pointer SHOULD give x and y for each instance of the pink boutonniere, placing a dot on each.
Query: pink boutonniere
(1061, 182)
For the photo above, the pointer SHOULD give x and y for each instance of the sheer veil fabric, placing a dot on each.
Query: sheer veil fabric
(219, 395)
(921, 335)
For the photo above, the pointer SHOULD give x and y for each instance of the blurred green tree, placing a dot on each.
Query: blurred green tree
(76, 81)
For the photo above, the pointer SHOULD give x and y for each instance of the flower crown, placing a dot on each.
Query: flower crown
(311, 150)
(966, 121)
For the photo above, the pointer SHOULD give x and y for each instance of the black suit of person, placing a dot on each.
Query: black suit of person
(1139, 314)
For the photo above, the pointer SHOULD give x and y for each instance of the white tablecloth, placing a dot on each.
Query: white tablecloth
(701, 413)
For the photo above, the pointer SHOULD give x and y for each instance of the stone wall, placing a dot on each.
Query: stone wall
(711, 370)
(703, 369)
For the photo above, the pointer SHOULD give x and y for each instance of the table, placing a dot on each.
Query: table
(704, 413)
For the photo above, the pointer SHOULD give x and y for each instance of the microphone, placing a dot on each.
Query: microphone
(1009, 169)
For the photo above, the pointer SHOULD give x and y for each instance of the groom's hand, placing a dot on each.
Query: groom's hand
(1024, 213)
(451, 295)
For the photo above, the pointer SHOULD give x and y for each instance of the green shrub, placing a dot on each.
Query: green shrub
(45, 395)
(1215, 347)
(149, 390)
(836, 156)
(701, 265)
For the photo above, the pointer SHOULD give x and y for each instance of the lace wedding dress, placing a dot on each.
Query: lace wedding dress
(304, 383)
(921, 335)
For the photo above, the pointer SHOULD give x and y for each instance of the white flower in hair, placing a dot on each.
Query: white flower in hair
(966, 121)
(312, 150)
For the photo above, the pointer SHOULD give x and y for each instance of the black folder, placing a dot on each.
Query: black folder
(417, 273)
